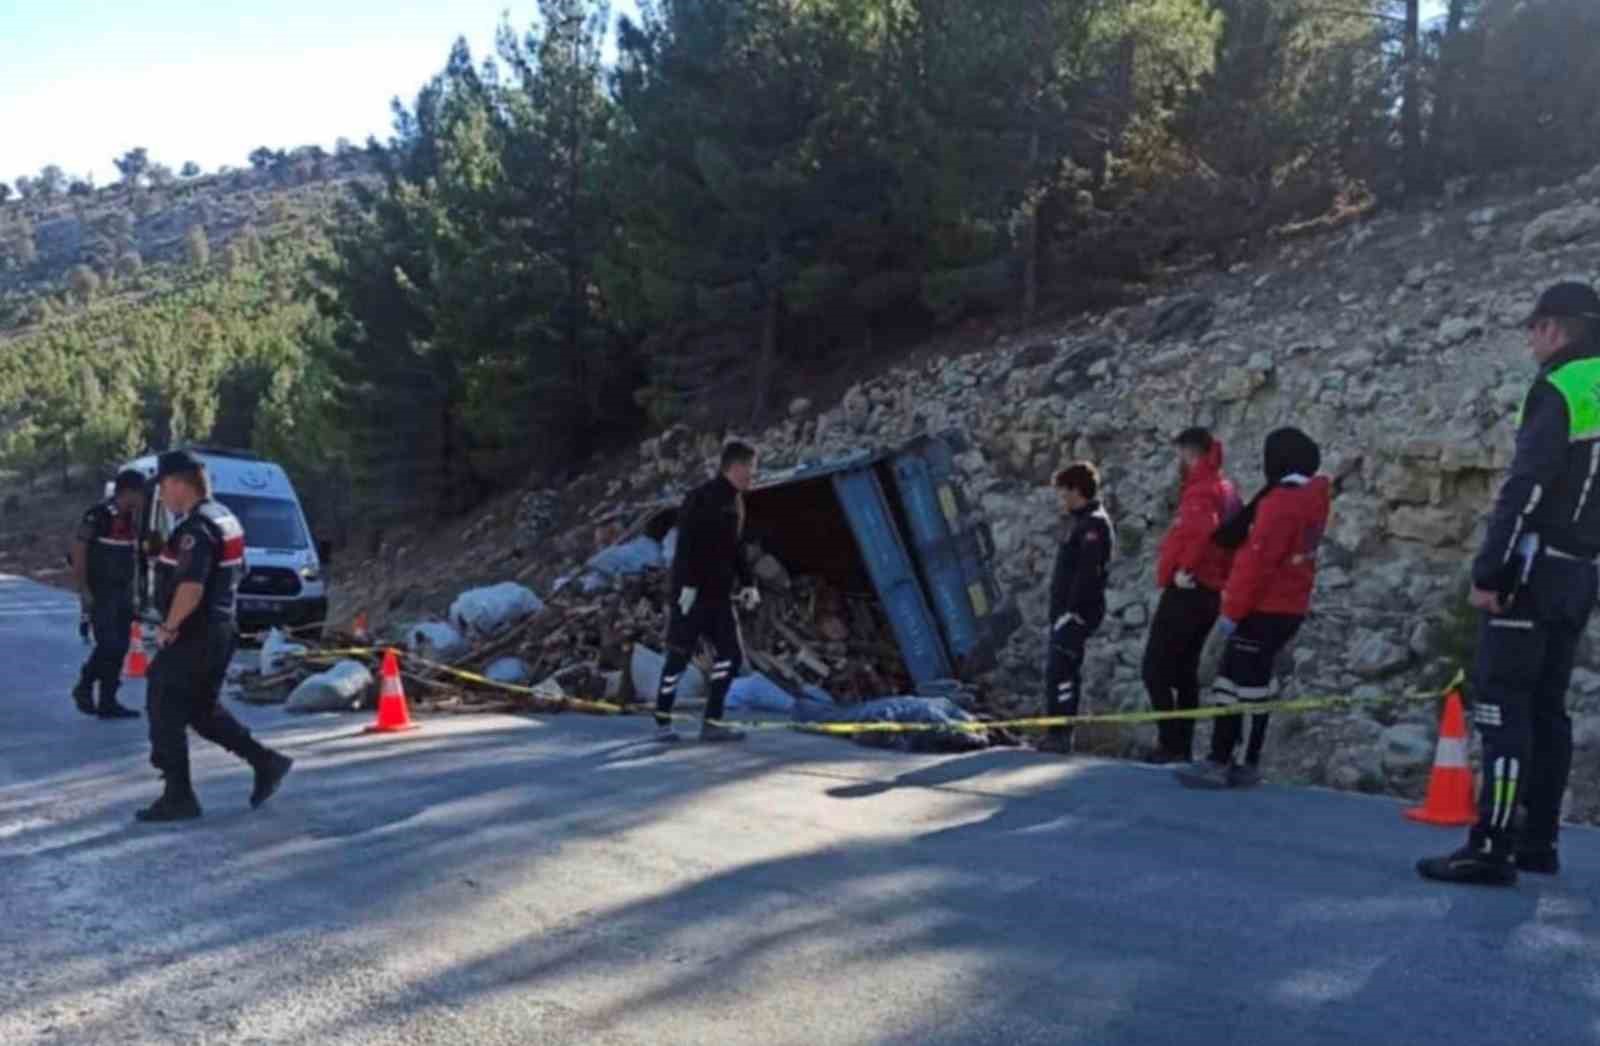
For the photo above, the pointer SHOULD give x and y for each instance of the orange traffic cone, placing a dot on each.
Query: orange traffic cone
(393, 715)
(1449, 800)
(134, 665)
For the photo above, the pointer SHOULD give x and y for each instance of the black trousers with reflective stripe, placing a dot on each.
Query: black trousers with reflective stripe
(1520, 678)
(1247, 676)
(1063, 673)
(713, 623)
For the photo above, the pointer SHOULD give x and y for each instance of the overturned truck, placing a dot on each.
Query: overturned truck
(890, 535)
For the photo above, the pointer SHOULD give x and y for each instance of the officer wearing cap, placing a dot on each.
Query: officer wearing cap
(1534, 579)
(197, 576)
(103, 568)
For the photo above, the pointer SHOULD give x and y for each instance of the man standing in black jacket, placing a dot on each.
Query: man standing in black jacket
(704, 569)
(1077, 593)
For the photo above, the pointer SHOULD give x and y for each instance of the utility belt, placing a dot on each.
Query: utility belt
(1527, 555)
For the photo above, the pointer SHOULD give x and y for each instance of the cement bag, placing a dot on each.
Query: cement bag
(756, 693)
(277, 651)
(646, 673)
(434, 639)
(487, 611)
(633, 557)
(339, 689)
(509, 670)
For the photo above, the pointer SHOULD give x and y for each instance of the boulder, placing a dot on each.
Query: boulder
(1407, 749)
(1559, 227)
(1374, 656)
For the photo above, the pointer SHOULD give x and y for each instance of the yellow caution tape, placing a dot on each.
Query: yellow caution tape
(1298, 704)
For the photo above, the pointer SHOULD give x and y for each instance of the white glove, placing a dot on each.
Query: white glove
(1211, 653)
(686, 598)
(1066, 619)
(1184, 579)
(749, 598)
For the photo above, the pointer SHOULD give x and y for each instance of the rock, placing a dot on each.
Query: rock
(857, 408)
(1458, 329)
(1374, 656)
(1036, 355)
(1135, 615)
(1438, 527)
(1407, 749)
(1585, 681)
(1187, 317)
(1236, 384)
(799, 407)
(1586, 732)
(1422, 639)
(1559, 227)
(1484, 216)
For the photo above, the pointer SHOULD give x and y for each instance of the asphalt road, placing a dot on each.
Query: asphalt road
(501, 880)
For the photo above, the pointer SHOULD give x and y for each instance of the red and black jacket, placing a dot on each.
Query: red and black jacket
(1208, 498)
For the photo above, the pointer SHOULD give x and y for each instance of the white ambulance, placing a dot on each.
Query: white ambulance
(284, 582)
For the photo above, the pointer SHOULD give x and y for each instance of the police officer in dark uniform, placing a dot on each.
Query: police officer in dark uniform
(1535, 581)
(705, 568)
(197, 576)
(1077, 593)
(103, 567)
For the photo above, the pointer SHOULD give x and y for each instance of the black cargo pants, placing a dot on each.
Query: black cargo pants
(185, 689)
(111, 620)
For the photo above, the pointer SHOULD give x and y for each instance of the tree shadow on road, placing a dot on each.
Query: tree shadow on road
(997, 897)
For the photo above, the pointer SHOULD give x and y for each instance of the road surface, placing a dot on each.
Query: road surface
(502, 880)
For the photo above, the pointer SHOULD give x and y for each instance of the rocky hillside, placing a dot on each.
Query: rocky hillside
(1396, 342)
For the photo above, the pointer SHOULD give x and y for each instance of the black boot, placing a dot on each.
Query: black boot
(83, 697)
(172, 806)
(1478, 863)
(111, 709)
(269, 775)
(1540, 860)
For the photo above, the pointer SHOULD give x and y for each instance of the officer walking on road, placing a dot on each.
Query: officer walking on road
(197, 576)
(103, 568)
(707, 563)
(1534, 579)
(1077, 594)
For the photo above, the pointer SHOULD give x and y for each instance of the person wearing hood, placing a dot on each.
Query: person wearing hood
(1267, 596)
(1534, 579)
(1191, 572)
(1077, 593)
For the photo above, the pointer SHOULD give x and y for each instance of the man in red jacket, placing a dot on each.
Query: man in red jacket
(1266, 599)
(1191, 573)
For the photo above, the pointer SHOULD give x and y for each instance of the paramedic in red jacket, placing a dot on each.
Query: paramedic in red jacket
(1266, 599)
(1191, 572)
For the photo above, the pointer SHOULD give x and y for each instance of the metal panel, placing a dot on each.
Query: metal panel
(955, 551)
(892, 573)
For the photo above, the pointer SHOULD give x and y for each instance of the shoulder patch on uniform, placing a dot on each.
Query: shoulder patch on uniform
(1091, 535)
(187, 543)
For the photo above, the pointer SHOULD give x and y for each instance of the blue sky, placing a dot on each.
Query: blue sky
(209, 80)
